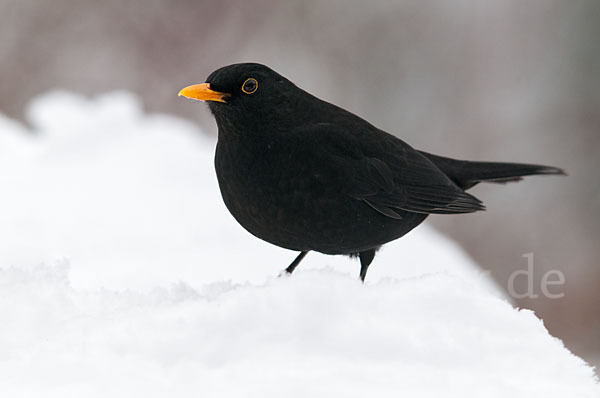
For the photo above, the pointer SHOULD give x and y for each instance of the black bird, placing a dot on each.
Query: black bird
(304, 174)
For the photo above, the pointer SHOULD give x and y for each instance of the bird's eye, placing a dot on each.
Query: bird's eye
(250, 86)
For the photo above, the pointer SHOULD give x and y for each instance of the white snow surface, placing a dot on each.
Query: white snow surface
(123, 275)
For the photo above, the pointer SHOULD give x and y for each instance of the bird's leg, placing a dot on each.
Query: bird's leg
(295, 263)
(366, 258)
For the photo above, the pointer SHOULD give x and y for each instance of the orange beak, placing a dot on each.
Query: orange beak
(202, 92)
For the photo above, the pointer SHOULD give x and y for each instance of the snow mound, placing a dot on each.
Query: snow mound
(317, 334)
(123, 275)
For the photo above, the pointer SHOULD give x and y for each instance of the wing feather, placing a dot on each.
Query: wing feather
(387, 174)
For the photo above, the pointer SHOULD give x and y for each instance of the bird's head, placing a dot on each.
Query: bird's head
(245, 94)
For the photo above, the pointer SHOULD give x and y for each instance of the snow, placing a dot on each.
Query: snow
(122, 274)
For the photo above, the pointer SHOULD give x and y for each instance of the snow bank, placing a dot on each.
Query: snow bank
(317, 334)
(122, 274)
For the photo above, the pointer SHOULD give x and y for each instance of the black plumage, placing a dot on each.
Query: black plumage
(305, 175)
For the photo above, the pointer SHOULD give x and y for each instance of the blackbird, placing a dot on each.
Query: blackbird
(304, 174)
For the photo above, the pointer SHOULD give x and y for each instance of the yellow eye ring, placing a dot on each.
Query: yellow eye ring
(250, 86)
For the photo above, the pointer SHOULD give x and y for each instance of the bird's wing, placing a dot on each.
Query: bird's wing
(389, 175)
(416, 187)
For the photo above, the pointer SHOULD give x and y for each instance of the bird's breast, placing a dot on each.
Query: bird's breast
(290, 198)
(276, 193)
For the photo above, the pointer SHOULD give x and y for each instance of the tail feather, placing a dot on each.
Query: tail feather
(467, 173)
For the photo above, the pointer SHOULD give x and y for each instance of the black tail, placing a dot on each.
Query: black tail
(466, 173)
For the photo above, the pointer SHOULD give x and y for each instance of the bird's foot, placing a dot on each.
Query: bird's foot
(284, 274)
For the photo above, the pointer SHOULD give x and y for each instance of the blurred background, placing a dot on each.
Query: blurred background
(494, 80)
